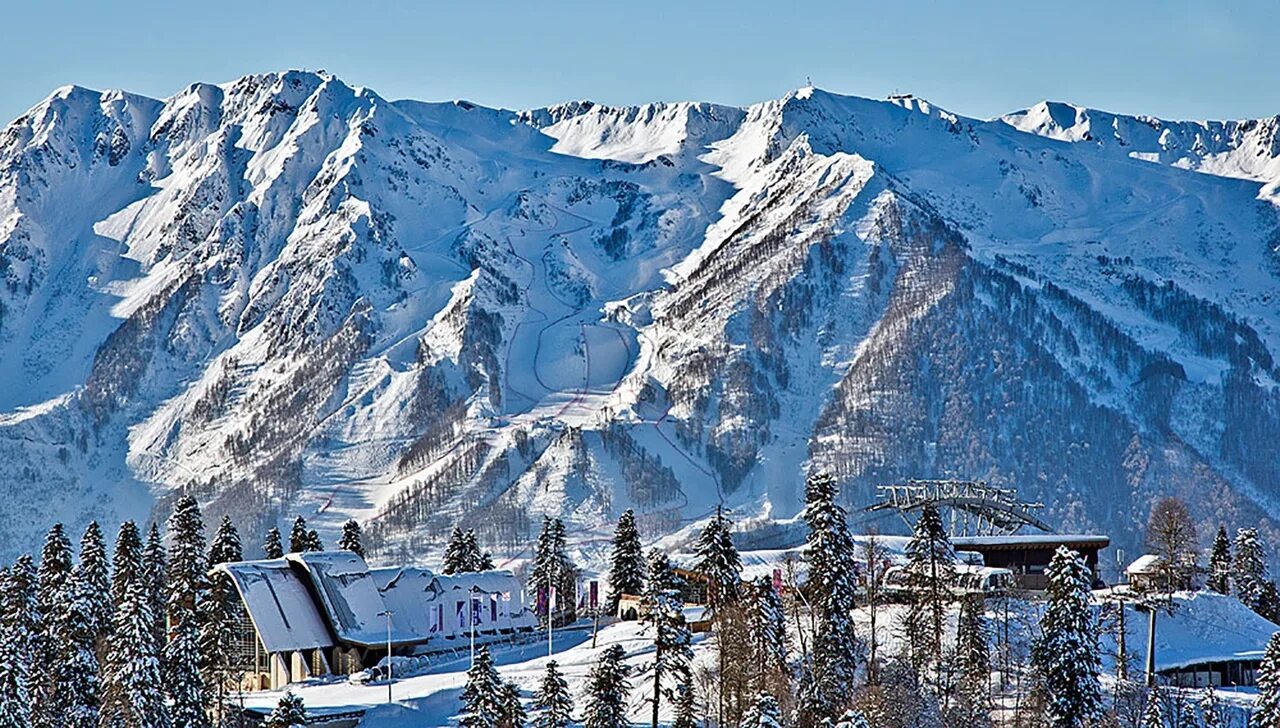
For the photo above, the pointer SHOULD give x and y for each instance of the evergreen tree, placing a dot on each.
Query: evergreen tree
(513, 712)
(95, 572)
(1152, 715)
(186, 563)
(973, 656)
(552, 567)
(1066, 654)
(1210, 709)
(299, 540)
(154, 567)
(856, 719)
(313, 542)
(226, 548)
(186, 584)
(607, 689)
(663, 613)
(829, 679)
(553, 704)
(455, 553)
(1269, 601)
(288, 713)
(482, 698)
(76, 671)
(484, 560)
(930, 577)
(1267, 707)
(1249, 568)
(125, 563)
(272, 547)
(19, 620)
(686, 706)
(626, 564)
(718, 560)
(768, 630)
(132, 694)
(351, 538)
(764, 713)
(1220, 563)
(51, 602)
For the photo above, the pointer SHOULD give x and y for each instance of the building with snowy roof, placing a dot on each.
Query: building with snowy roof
(1027, 556)
(317, 613)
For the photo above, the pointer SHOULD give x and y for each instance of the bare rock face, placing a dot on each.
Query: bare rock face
(289, 295)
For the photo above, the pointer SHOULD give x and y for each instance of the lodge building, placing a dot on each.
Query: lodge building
(327, 612)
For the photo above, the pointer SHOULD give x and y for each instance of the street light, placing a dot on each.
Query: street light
(390, 673)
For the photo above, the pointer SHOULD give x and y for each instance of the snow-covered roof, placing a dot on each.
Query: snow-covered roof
(1145, 564)
(348, 595)
(1031, 539)
(1203, 627)
(279, 604)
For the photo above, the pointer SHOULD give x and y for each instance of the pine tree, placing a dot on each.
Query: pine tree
(226, 547)
(299, 540)
(95, 572)
(1267, 707)
(154, 567)
(768, 630)
(313, 542)
(132, 695)
(272, 547)
(186, 585)
(51, 602)
(718, 560)
(663, 613)
(552, 704)
(125, 563)
(1210, 709)
(1067, 654)
(1249, 568)
(455, 553)
(854, 719)
(930, 577)
(764, 713)
(513, 712)
(351, 538)
(19, 620)
(830, 551)
(76, 671)
(607, 689)
(973, 657)
(484, 561)
(288, 713)
(552, 567)
(686, 701)
(482, 699)
(1220, 563)
(626, 564)
(1152, 715)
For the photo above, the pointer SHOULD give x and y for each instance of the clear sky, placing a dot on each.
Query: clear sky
(1170, 58)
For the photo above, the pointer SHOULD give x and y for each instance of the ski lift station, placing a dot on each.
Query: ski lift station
(317, 613)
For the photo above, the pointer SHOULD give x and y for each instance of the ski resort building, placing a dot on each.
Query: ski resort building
(1028, 555)
(326, 612)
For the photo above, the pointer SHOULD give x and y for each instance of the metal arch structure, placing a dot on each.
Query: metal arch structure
(974, 508)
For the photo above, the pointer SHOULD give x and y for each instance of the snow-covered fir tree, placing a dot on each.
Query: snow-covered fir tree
(552, 703)
(95, 572)
(272, 546)
(299, 539)
(482, 698)
(51, 600)
(455, 553)
(513, 712)
(1211, 709)
(313, 542)
(225, 547)
(76, 671)
(718, 561)
(931, 573)
(766, 659)
(290, 712)
(19, 620)
(155, 578)
(832, 583)
(1249, 567)
(662, 611)
(132, 688)
(763, 713)
(351, 539)
(973, 655)
(1219, 579)
(1152, 713)
(1066, 655)
(186, 584)
(1266, 710)
(476, 558)
(552, 567)
(856, 719)
(606, 692)
(626, 561)
(686, 704)
(126, 561)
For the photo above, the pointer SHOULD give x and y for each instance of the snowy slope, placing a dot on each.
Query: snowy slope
(288, 294)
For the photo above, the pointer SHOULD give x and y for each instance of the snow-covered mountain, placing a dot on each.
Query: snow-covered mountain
(287, 294)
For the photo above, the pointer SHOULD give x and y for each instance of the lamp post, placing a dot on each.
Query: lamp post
(390, 671)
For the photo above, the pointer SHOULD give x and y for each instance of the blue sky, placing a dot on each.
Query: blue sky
(1173, 59)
